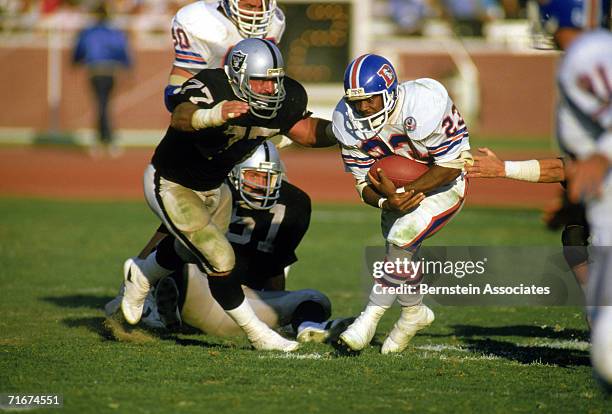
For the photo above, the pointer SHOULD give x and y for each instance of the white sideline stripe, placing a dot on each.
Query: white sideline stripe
(314, 355)
(442, 347)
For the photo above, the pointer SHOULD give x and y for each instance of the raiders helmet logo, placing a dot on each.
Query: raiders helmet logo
(237, 60)
(386, 72)
(410, 124)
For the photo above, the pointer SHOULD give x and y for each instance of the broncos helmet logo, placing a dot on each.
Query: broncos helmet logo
(386, 72)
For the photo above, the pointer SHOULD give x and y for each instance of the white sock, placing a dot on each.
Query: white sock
(374, 312)
(377, 298)
(245, 317)
(151, 269)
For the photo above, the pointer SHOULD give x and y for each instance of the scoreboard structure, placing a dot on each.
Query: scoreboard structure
(319, 39)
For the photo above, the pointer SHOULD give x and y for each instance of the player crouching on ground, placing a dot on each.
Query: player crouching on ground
(417, 120)
(221, 116)
(270, 216)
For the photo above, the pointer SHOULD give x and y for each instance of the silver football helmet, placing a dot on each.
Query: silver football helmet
(257, 59)
(251, 23)
(258, 179)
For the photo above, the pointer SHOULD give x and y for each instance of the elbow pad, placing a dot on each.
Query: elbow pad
(168, 93)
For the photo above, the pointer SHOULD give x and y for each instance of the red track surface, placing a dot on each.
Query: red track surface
(68, 173)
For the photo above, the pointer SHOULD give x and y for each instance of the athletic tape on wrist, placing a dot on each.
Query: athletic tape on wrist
(207, 118)
(523, 170)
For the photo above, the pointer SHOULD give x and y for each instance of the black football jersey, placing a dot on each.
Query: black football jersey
(201, 160)
(264, 241)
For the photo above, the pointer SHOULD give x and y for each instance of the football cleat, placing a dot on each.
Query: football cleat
(136, 288)
(412, 320)
(265, 339)
(271, 341)
(322, 332)
(150, 315)
(360, 333)
(167, 299)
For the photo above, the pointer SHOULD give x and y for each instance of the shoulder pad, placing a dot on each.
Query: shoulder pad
(342, 128)
(426, 101)
(203, 21)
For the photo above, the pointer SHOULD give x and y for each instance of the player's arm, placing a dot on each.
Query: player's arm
(313, 132)
(189, 117)
(435, 177)
(489, 165)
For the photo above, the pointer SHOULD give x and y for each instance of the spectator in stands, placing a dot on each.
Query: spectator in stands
(469, 16)
(103, 50)
(409, 15)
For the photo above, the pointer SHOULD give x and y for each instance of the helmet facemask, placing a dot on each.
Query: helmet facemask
(370, 125)
(251, 23)
(263, 105)
(259, 187)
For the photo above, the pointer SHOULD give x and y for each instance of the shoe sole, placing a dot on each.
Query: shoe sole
(166, 298)
(313, 335)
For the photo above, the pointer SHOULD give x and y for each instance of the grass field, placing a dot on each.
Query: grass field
(60, 262)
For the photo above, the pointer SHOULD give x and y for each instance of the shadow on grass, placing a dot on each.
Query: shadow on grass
(93, 324)
(79, 301)
(117, 330)
(530, 354)
(477, 340)
(525, 331)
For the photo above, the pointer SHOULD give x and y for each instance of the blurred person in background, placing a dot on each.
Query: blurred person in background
(410, 15)
(103, 50)
(469, 16)
(581, 28)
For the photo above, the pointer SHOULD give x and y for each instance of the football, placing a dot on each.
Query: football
(399, 170)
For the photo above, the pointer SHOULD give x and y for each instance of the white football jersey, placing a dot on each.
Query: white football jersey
(584, 117)
(424, 126)
(203, 34)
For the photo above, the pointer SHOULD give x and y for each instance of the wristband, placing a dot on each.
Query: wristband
(207, 118)
(523, 170)
(381, 201)
(400, 190)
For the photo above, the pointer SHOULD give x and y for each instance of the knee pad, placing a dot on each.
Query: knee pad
(575, 241)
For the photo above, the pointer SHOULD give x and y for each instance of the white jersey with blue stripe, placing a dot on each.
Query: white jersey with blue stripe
(203, 35)
(424, 126)
(584, 118)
